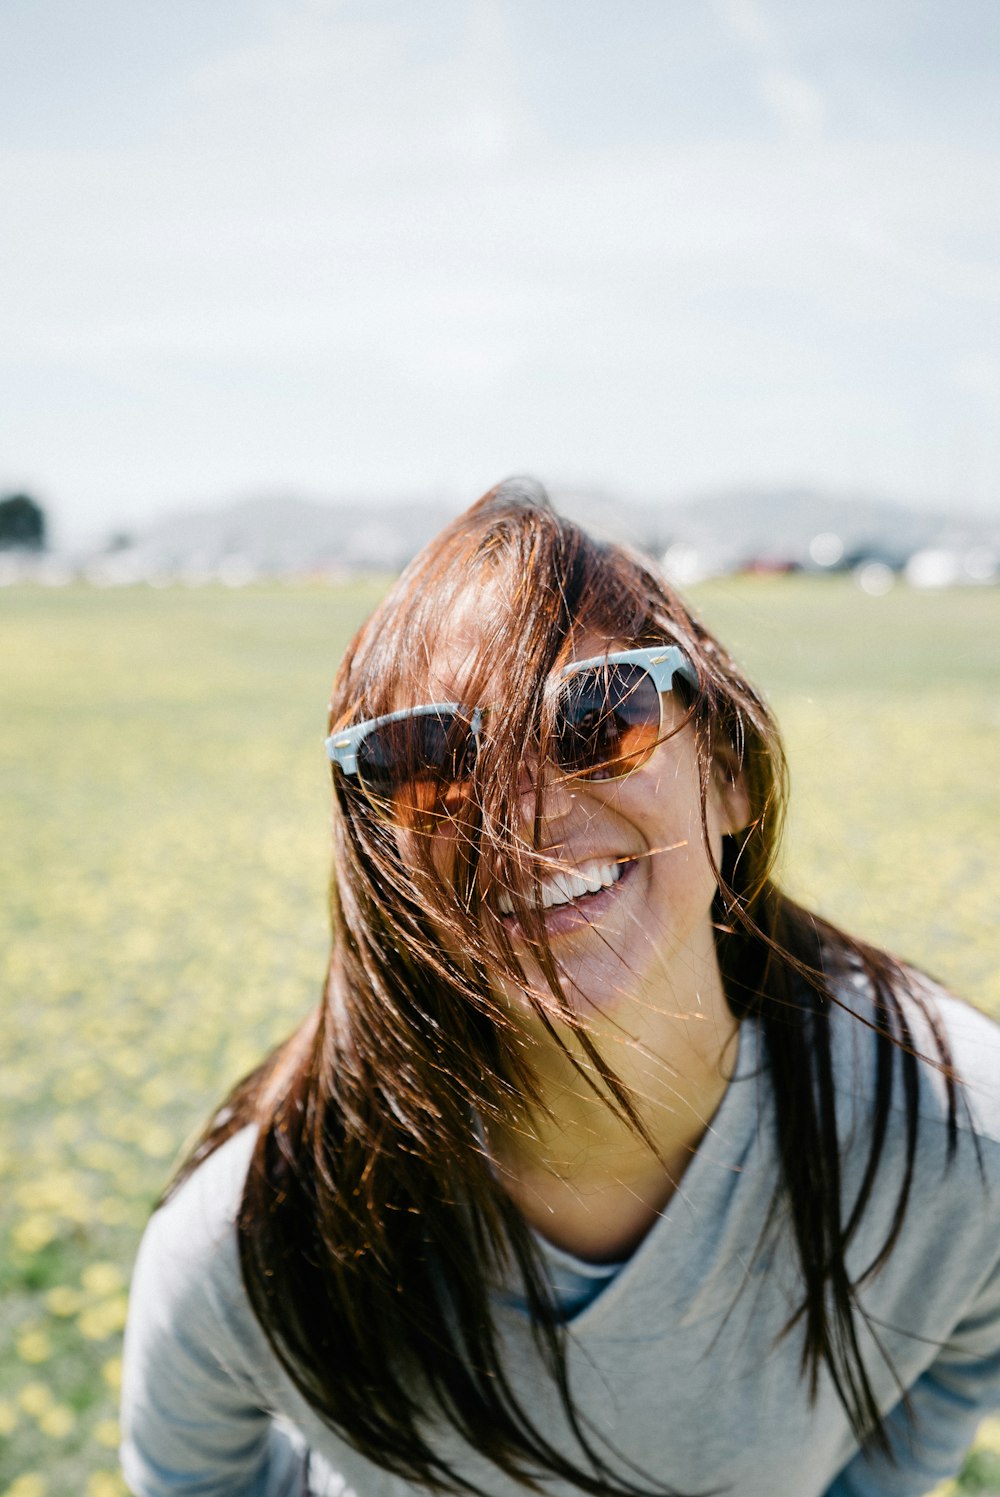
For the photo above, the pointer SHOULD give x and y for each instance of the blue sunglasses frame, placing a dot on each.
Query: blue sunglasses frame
(661, 663)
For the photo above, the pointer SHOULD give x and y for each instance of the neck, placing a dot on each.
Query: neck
(582, 1174)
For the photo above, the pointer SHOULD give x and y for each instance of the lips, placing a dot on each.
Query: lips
(571, 884)
(574, 894)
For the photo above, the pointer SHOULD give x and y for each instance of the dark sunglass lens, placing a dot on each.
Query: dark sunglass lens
(418, 763)
(609, 721)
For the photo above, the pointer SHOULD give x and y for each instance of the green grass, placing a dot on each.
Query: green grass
(164, 799)
(891, 713)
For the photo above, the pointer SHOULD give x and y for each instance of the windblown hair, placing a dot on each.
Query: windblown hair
(373, 1227)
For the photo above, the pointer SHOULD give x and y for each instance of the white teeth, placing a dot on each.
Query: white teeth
(566, 885)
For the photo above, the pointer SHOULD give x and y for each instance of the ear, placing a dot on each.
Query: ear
(731, 789)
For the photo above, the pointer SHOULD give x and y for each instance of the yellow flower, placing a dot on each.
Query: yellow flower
(34, 1346)
(156, 1092)
(157, 1141)
(66, 1127)
(105, 1484)
(112, 1211)
(35, 1398)
(100, 1154)
(8, 1418)
(53, 1192)
(57, 1421)
(102, 1278)
(31, 1484)
(107, 1433)
(80, 1084)
(129, 1062)
(19, 1085)
(988, 1436)
(63, 1300)
(104, 1319)
(112, 1373)
(34, 1233)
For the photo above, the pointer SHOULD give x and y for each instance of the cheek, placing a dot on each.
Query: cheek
(431, 848)
(714, 820)
(666, 802)
(683, 850)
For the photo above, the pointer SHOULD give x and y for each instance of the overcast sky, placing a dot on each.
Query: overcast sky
(384, 247)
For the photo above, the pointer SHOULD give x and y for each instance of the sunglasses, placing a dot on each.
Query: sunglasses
(608, 718)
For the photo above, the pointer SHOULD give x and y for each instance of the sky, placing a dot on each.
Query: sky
(372, 248)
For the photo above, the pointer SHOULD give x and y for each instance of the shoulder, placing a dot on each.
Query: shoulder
(947, 1036)
(204, 1207)
(945, 1171)
(973, 1041)
(205, 1405)
(188, 1261)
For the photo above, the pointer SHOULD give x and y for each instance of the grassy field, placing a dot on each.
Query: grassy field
(164, 799)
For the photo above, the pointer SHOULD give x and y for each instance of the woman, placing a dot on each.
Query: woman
(602, 1166)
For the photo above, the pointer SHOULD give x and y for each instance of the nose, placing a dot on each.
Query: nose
(558, 798)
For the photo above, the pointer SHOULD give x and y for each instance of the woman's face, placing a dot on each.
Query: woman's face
(643, 939)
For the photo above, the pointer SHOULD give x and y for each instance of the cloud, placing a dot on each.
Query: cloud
(798, 104)
(979, 374)
(746, 20)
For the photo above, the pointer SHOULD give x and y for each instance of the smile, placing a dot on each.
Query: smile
(569, 885)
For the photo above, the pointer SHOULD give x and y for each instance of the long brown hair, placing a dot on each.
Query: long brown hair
(373, 1228)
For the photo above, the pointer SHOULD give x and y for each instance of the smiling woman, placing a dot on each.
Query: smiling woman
(602, 1166)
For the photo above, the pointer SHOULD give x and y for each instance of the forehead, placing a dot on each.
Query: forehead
(469, 663)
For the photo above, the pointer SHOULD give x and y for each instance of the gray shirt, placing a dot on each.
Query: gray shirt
(678, 1363)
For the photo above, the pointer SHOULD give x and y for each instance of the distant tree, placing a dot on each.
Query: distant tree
(22, 524)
